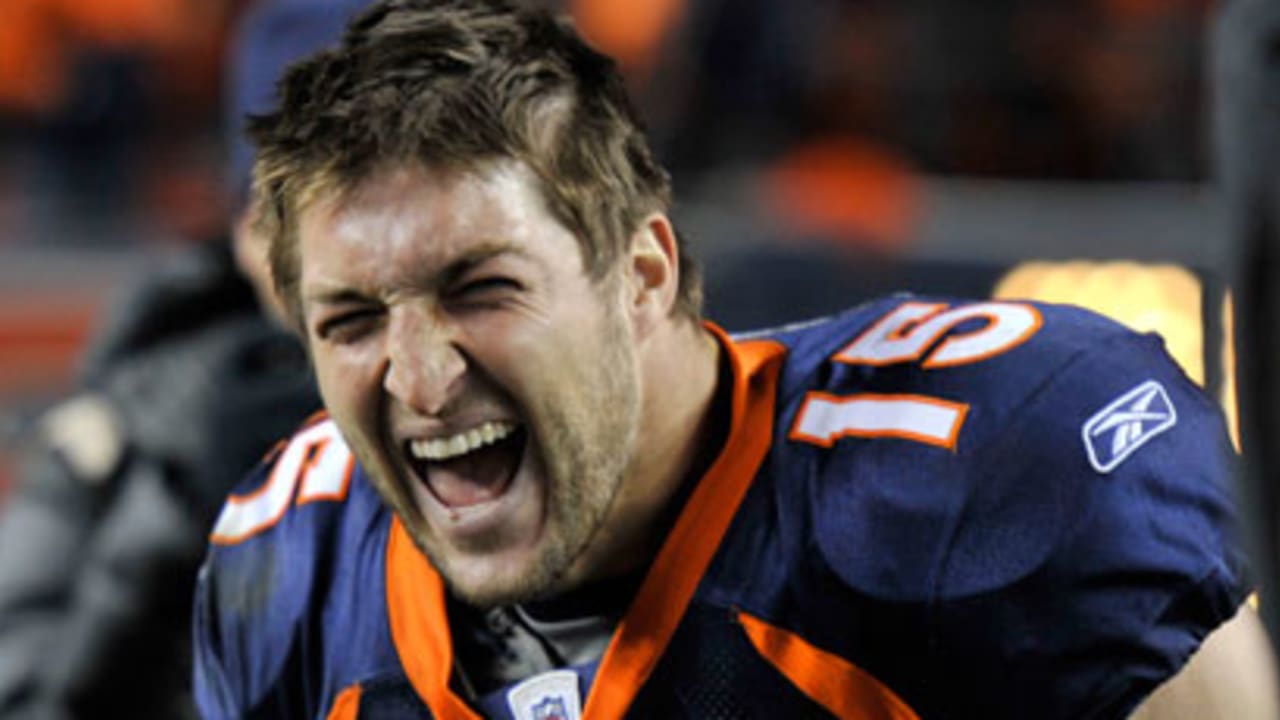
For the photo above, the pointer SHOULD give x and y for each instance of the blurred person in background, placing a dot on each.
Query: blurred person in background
(106, 112)
(187, 385)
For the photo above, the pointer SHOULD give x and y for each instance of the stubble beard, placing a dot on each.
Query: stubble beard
(587, 435)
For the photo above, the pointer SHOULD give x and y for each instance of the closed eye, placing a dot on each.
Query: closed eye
(484, 288)
(349, 325)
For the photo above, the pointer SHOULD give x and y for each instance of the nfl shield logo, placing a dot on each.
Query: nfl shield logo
(550, 709)
(553, 695)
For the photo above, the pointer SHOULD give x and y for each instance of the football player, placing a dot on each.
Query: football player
(547, 488)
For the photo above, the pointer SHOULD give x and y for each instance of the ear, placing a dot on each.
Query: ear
(252, 251)
(654, 264)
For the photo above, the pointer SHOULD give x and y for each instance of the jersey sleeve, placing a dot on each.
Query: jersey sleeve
(262, 592)
(290, 606)
(1072, 547)
(1142, 554)
(214, 694)
(237, 650)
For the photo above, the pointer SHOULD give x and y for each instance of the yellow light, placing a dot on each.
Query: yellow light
(1163, 298)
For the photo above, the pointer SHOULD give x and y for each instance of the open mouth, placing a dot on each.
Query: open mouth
(472, 467)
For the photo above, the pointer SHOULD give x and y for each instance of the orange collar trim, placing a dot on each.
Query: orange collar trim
(415, 592)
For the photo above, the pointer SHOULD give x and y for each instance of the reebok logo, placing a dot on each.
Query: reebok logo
(1132, 419)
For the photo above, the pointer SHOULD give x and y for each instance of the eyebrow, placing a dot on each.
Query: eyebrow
(455, 269)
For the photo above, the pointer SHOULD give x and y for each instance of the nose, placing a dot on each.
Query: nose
(424, 365)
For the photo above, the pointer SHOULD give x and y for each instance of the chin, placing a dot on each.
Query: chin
(483, 585)
(508, 575)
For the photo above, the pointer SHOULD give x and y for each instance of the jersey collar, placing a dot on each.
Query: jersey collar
(416, 597)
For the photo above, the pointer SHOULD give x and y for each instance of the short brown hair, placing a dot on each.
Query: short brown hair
(454, 84)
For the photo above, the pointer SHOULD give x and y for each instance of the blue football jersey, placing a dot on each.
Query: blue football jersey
(924, 508)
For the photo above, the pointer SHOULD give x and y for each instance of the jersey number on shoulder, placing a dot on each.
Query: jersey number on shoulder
(911, 333)
(316, 463)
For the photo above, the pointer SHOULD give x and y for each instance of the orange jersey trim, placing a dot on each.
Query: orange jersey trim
(415, 592)
(314, 418)
(420, 627)
(346, 706)
(297, 490)
(1004, 347)
(340, 495)
(644, 632)
(836, 684)
(255, 495)
(910, 317)
(928, 311)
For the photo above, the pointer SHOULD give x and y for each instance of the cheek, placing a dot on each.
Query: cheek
(505, 346)
(350, 384)
(527, 359)
(533, 351)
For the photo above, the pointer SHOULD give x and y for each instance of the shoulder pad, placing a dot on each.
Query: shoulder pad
(314, 465)
(971, 436)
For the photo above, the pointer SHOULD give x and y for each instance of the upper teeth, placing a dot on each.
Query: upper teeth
(462, 443)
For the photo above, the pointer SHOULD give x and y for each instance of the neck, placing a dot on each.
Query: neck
(679, 369)
(678, 389)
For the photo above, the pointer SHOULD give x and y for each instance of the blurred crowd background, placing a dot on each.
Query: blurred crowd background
(822, 150)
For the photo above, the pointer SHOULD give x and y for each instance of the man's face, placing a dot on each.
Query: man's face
(486, 384)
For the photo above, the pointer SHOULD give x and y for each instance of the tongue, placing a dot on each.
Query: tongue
(479, 476)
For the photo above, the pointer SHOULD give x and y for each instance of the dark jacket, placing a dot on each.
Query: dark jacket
(187, 385)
